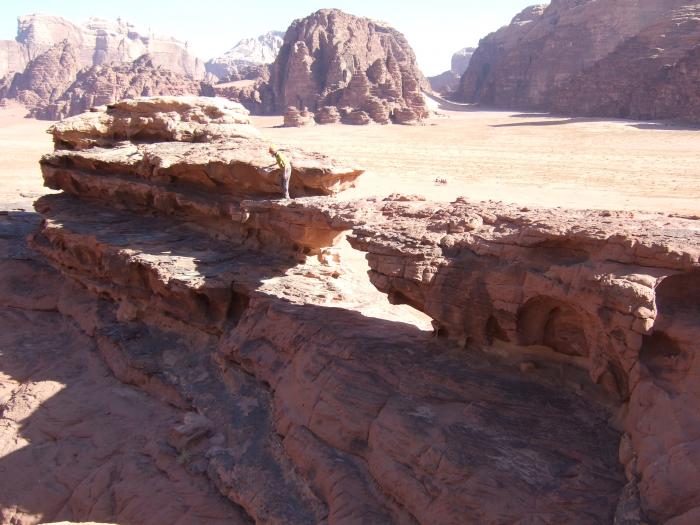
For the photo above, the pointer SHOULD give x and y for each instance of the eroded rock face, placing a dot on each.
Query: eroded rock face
(58, 69)
(558, 386)
(604, 58)
(106, 84)
(653, 75)
(46, 77)
(333, 58)
(192, 157)
(615, 294)
(96, 42)
(155, 119)
(323, 413)
(244, 60)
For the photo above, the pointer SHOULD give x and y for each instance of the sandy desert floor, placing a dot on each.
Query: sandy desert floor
(530, 159)
(22, 143)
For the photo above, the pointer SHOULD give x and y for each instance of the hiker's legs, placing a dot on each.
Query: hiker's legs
(285, 180)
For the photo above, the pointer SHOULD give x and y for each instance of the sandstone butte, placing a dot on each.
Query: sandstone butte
(607, 58)
(559, 385)
(332, 58)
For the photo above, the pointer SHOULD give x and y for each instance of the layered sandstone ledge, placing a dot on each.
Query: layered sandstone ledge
(561, 386)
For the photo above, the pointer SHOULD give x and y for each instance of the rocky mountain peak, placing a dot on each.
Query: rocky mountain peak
(324, 51)
(246, 60)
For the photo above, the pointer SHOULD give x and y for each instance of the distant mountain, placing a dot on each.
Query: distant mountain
(447, 83)
(95, 42)
(106, 84)
(243, 60)
(461, 59)
(332, 58)
(57, 68)
(605, 58)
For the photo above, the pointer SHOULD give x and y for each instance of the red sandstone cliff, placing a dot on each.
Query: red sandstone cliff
(604, 58)
(106, 84)
(57, 68)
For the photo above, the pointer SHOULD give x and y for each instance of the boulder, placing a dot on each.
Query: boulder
(356, 117)
(328, 115)
(293, 118)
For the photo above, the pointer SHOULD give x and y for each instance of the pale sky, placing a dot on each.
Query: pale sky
(435, 29)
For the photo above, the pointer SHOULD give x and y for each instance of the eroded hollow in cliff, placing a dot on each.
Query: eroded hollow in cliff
(553, 323)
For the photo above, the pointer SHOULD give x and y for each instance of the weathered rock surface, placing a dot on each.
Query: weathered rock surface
(46, 77)
(610, 58)
(294, 118)
(615, 294)
(106, 84)
(75, 442)
(332, 58)
(193, 157)
(96, 42)
(447, 83)
(561, 386)
(58, 69)
(155, 119)
(653, 75)
(335, 423)
(244, 60)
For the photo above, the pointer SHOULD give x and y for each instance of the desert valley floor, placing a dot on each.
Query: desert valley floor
(528, 159)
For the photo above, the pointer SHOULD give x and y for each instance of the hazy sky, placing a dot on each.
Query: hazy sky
(434, 28)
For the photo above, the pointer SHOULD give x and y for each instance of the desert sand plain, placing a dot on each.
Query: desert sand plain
(528, 159)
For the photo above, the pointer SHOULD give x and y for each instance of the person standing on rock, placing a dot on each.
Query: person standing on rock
(286, 169)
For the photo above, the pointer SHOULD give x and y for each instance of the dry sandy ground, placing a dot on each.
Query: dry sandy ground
(22, 143)
(528, 159)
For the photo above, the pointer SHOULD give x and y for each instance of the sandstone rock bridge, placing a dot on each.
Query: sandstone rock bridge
(271, 381)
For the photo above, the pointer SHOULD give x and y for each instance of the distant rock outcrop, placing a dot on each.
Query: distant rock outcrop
(447, 83)
(328, 115)
(46, 77)
(293, 118)
(247, 59)
(461, 59)
(106, 84)
(332, 58)
(96, 42)
(58, 69)
(611, 58)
